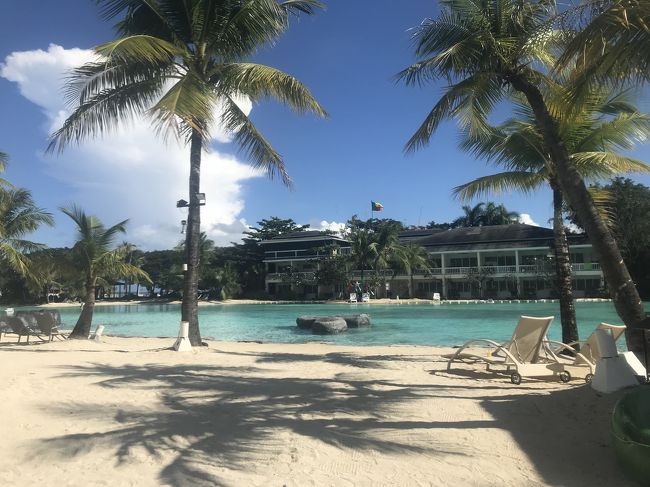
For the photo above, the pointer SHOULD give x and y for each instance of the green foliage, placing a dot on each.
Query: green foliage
(629, 205)
(272, 228)
(19, 216)
(485, 214)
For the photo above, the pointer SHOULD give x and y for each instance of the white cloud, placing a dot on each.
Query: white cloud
(324, 225)
(526, 219)
(130, 172)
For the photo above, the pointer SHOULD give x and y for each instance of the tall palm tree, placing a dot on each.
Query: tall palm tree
(488, 50)
(593, 133)
(19, 216)
(95, 258)
(412, 257)
(175, 61)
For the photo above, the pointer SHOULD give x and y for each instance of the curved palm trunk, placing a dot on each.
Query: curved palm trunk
(621, 287)
(190, 303)
(563, 270)
(82, 328)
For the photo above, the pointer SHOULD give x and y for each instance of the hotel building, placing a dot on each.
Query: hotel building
(490, 262)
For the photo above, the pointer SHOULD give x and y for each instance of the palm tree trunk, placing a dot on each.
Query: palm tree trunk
(82, 328)
(411, 286)
(190, 303)
(621, 287)
(563, 270)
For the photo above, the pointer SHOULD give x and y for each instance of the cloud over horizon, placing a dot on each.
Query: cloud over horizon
(130, 172)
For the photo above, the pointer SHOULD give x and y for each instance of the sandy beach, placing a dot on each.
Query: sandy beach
(129, 411)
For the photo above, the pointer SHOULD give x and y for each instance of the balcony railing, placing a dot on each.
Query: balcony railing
(448, 271)
(307, 276)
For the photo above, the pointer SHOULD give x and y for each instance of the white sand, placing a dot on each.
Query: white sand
(130, 412)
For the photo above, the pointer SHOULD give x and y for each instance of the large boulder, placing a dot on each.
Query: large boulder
(329, 325)
(305, 322)
(357, 321)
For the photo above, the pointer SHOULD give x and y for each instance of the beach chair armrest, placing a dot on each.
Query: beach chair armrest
(565, 346)
(497, 347)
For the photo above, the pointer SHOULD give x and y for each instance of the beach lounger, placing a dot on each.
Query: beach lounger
(583, 355)
(524, 355)
(365, 297)
(4, 328)
(25, 325)
(48, 322)
(353, 298)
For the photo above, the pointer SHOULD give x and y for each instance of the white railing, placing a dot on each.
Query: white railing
(587, 266)
(529, 269)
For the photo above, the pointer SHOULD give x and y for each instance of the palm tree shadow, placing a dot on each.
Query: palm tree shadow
(213, 418)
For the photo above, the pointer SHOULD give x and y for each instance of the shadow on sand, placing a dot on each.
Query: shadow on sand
(214, 418)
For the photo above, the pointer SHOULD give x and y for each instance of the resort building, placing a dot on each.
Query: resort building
(490, 262)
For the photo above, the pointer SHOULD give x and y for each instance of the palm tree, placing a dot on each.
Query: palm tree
(472, 217)
(412, 257)
(4, 159)
(488, 50)
(19, 216)
(97, 261)
(175, 61)
(494, 214)
(363, 252)
(593, 133)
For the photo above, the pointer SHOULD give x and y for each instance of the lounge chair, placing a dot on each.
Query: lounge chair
(524, 355)
(353, 298)
(4, 328)
(365, 297)
(25, 325)
(48, 322)
(583, 355)
(436, 298)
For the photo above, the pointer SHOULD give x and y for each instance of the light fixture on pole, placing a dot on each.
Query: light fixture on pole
(183, 224)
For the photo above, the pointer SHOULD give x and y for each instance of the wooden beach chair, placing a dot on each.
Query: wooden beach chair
(583, 355)
(524, 355)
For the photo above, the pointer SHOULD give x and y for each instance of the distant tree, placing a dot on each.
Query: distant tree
(332, 270)
(473, 216)
(442, 226)
(272, 228)
(629, 206)
(373, 224)
(164, 268)
(4, 159)
(97, 261)
(494, 214)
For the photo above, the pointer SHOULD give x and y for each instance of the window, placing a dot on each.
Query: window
(577, 257)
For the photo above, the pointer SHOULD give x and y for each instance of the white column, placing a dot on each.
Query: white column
(517, 273)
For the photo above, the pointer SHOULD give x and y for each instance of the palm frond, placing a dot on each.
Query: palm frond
(504, 182)
(258, 81)
(254, 145)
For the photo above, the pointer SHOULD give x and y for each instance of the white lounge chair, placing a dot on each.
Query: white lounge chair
(524, 355)
(582, 362)
(353, 298)
(365, 297)
(436, 298)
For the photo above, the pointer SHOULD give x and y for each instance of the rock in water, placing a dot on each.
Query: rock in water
(329, 325)
(357, 321)
(305, 322)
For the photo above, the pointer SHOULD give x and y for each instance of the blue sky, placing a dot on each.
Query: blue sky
(346, 55)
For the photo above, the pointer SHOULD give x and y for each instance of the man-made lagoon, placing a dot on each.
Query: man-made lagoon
(421, 324)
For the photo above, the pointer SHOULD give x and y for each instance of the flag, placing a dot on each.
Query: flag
(375, 206)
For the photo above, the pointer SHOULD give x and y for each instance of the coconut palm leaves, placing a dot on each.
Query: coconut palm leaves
(478, 47)
(19, 216)
(614, 42)
(97, 260)
(593, 134)
(176, 62)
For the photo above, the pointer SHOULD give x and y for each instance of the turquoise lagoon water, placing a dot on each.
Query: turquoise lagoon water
(421, 324)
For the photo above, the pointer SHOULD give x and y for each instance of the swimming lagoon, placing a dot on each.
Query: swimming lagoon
(393, 324)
